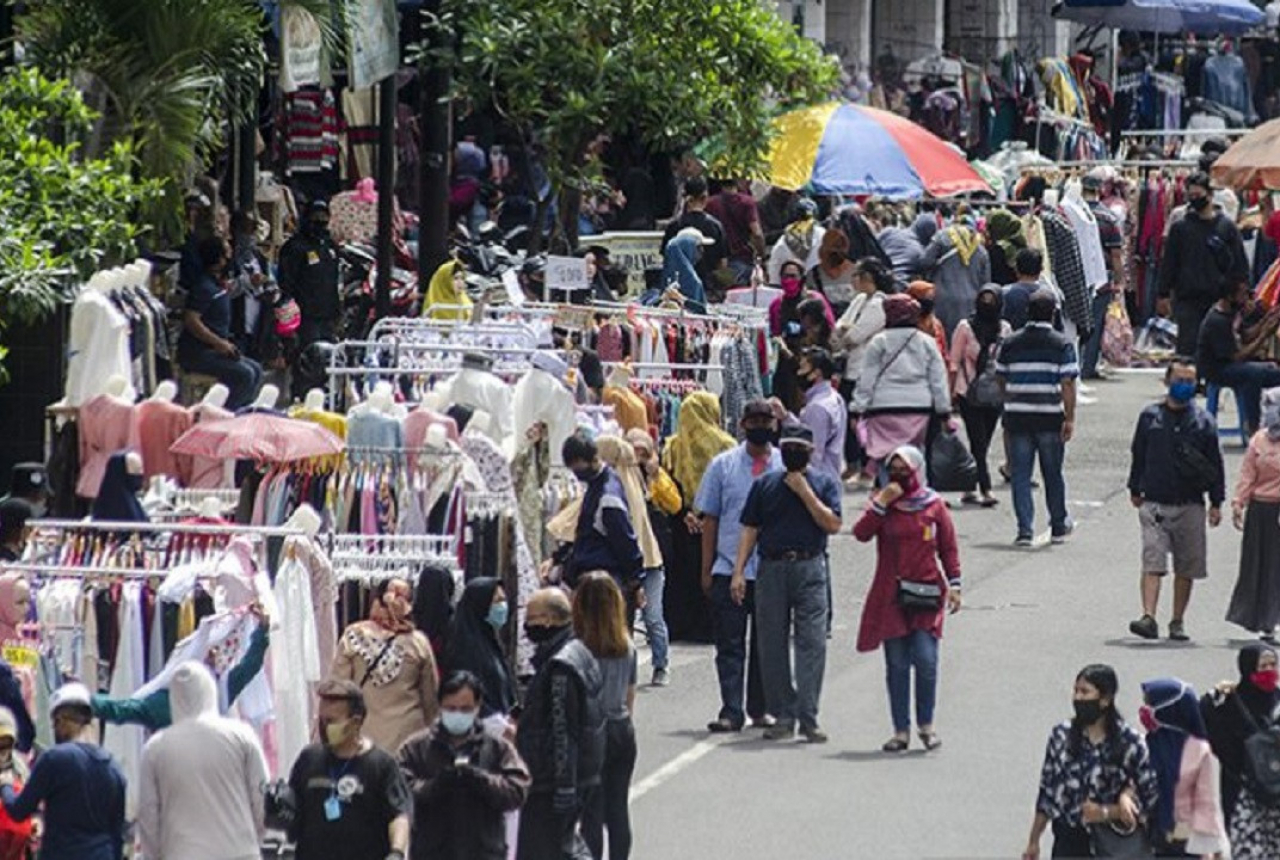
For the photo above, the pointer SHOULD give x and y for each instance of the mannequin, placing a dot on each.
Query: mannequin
(1073, 191)
(306, 519)
(267, 397)
(117, 387)
(381, 399)
(620, 376)
(367, 191)
(434, 401)
(165, 391)
(314, 400)
(216, 396)
(210, 508)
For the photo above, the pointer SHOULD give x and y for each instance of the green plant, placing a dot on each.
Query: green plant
(62, 216)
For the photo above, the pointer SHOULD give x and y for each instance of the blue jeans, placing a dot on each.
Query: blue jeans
(918, 650)
(791, 609)
(655, 625)
(1250, 379)
(1092, 348)
(242, 376)
(737, 658)
(1023, 450)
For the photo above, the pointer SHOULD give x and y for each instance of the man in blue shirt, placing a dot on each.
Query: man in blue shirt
(1037, 371)
(789, 515)
(79, 784)
(720, 499)
(604, 538)
(1169, 495)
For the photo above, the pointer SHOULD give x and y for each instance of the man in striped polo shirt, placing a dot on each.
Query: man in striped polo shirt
(1037, 369)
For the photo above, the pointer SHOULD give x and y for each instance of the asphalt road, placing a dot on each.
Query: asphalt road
(1032, 619)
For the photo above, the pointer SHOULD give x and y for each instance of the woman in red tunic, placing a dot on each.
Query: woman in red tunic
(913, 532)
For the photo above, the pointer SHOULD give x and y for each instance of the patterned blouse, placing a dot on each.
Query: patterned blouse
(1099, 773)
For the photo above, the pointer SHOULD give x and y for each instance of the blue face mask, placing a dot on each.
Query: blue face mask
(458, 722)
(498, 615)
(1182, 390)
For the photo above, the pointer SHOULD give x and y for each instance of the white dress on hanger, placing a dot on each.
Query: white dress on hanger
(295, 662)
(125, 742)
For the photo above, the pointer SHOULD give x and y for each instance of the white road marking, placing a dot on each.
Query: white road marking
(673, 767)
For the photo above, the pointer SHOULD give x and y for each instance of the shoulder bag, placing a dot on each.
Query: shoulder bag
(984, 388)
(1261, 758)
(1109, 842)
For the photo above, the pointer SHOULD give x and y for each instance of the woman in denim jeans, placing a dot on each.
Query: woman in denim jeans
(662, 501)
(913, 532)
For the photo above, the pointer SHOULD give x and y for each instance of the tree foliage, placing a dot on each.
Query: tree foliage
(62, 217)
(671, 74)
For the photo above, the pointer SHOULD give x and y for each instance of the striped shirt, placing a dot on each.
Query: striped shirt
(1033, 363)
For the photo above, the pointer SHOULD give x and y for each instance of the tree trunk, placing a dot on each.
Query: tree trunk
(435, 119)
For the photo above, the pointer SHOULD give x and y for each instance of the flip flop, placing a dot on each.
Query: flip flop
(930, 740)
(895, 745)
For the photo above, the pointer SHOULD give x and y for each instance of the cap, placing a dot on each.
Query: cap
(796, 434)
(318, 206)
(28, 479)
(757, 408)
(696, 234)
(70, 695)
(477, 361)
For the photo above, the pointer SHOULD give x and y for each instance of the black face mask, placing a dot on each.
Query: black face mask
(1197, 203)
(926, 307)
(795, 459)
(584, 475)
(759, 435)
(988, 311)
(1088, 711)
(539, 633)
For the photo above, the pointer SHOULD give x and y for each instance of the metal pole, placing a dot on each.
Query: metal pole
(246, 167)
(386, 192)
(435, 114)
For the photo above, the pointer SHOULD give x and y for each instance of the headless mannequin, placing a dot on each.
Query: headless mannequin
(267, 397)
(1051, 198)
(306, 519)
(314, 401)
(165, 392)
(216, 396)
(118, 387)
(210, 508)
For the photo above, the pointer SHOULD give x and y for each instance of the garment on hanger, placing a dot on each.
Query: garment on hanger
(158, 424)
(106, 426)
(97, 346)
(296, 664)
(208, 473)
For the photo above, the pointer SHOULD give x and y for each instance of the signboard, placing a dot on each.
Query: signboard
(567, 273)
(300, 44)
(634, 252)
(375, 42)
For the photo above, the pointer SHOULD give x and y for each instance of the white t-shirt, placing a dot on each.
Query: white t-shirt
(1085, 225)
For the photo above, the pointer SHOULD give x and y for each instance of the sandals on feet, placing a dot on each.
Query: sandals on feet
(930, 740)
(895, 745)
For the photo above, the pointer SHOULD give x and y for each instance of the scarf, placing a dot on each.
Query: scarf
(799, 238)
(474, 647)
(619, 454)
(442, 292)
(697, 441)
(1177, 711)
(1271, 412)
(965, 241)
(924, 495)
(901, 311)
(1005, 230)
(987, 330)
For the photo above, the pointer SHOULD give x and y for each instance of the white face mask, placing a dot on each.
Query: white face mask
(458, 722)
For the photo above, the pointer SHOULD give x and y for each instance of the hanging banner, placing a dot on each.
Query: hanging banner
(300, 44)
(375, 42)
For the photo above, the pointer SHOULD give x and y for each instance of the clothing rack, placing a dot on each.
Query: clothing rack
(661, 365)
(167, 528)
(1188, 132)
(403, 326)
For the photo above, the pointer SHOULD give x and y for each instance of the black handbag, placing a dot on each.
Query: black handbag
(1109, 842)
(919, 596)
(1261, 758)
(1195, 470)
(952, 468)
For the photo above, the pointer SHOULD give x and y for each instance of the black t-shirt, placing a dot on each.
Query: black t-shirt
(371, 792)
(1218, 344)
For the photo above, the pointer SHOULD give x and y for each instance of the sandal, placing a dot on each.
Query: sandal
(895, 745)
(930, 740)
(722, 726)
(970, 499)
(989, 502)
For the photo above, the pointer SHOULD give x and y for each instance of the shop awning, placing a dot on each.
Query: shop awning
(1164, 16)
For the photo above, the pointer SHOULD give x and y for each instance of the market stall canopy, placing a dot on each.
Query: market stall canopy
(1209, 17)
(849, 149)
(263, 437)
(1253, 162)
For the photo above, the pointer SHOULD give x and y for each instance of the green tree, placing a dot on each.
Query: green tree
(62, 217)
(672, 74)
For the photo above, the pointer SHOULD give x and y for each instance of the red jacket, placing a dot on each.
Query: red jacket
(909, 545)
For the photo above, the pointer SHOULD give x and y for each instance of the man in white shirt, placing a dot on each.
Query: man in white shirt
(201, 782)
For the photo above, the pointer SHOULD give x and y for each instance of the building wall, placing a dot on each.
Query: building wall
(910, 28)
(849, 30)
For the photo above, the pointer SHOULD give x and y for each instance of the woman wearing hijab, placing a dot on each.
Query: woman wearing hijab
(863, 320)
(902, 385)
(686, 456)
(1231, 716)
(913, 533)
(924, 293)
(1004, 239)
(15, 836)
(1255, 604)
(662, 501)
(958, 266)
(799, 242)
(833, 276)
(117, 499)
(447, 297)
(973, 352)
(474, 645)
(1188, 820)
(679, 267)
(1096, 772)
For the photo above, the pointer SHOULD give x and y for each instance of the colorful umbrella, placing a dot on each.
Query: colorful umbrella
(1253, 162)
(1164, 16)
(849, 149)
(260, 436)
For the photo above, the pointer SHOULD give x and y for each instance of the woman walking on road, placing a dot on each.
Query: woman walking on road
(599, 620)
(1097, 773)
(909, 596)
(973, 352)
(1255, 603)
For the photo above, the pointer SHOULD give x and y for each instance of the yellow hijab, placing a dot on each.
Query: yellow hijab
(698, 439)
(619, 454)
(442, 292)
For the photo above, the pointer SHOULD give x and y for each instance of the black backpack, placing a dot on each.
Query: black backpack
(1261, 758)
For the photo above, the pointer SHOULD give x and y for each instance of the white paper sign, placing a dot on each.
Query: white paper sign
(511, 281)
(300, 44)
(567, 273)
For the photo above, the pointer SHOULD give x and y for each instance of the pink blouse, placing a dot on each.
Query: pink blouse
(1260, 473)
(106, 426)
(208, 474)
(159, 424)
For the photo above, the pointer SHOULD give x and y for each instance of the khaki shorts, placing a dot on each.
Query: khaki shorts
(1177, 530)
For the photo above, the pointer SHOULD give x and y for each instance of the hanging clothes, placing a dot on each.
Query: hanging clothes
(158, 424)
(296, 664)
(129, 673)
(106, 426)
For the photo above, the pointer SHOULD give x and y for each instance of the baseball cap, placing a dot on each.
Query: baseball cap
(70, 695)
(796, 434)
(28, 479)
(696, 234)
(757, 408)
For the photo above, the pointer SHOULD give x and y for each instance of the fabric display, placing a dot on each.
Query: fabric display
(121, 332)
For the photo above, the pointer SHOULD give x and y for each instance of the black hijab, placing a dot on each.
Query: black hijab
(987, 329)
(1228, 726)
(473, 646)
(862, 242)
(117, 499)
(1260, 703)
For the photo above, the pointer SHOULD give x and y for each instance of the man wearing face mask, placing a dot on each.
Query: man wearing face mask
(1202, 256)
(1171, 439)
(309, 275)
(789, 515)
(464, 780)
(604, 538)
(562, 732)
(352, 800)
(1230, 360)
